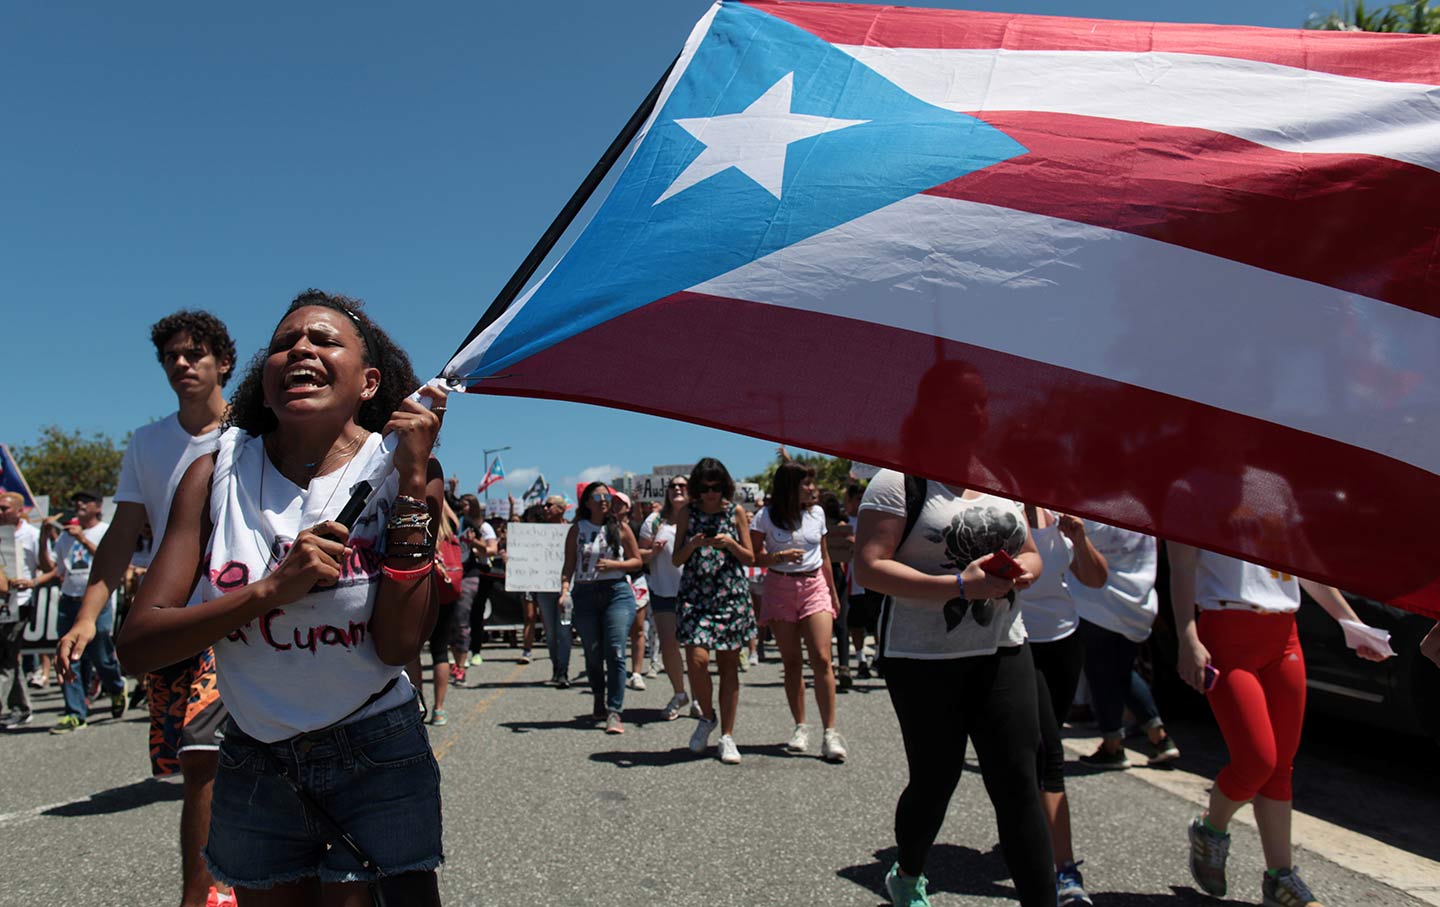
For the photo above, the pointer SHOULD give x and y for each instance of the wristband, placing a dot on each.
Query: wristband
(960, 581)
(405, 576)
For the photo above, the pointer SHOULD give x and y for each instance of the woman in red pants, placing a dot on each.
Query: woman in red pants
(1245, 641)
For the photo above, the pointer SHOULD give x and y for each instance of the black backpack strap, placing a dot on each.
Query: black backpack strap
(916, 490)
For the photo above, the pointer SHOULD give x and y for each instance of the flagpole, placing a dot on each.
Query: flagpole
(567, 214)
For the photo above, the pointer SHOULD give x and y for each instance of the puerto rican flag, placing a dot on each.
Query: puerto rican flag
(493, 474)
(1178, 278)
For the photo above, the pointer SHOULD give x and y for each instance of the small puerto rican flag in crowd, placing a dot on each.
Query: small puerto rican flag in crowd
(493, 474)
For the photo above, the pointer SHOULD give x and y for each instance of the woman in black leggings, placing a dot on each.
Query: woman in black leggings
(956, 665)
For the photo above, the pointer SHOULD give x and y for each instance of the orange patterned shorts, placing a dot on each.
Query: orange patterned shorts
(185, 712)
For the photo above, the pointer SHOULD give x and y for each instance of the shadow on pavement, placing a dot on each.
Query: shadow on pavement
(578, 723)
(648, 758)
(120, 799)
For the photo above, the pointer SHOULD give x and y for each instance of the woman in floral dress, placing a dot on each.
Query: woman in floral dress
(714, 603)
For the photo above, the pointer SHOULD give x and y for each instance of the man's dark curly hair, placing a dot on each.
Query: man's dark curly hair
(202, 327)
(397, 378)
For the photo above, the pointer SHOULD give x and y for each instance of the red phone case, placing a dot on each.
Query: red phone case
(1002, 564)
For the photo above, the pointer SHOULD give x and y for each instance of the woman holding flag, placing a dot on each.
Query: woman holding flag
(326, 783)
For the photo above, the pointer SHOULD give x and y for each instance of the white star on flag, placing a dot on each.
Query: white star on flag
(753, 141)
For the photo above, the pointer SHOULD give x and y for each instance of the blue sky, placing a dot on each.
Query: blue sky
(167, 155)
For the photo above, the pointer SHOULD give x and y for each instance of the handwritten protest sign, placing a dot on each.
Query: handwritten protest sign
(535, 556)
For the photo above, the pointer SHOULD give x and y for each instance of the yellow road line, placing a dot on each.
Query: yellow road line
(478, 709)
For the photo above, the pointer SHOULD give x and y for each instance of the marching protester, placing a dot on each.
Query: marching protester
(326, 782)
(840, 543)
(957, 667)
(639, 589)
(1115, 619)
(186, 713)
(449, 577)
(1067, 558)
(75, 545)
(862, 607)
(1243, 654)
(800, 601)
(713, 614)
(478, 543)
(657, 544)
(557, 630)
(599, 551)
(21, 583)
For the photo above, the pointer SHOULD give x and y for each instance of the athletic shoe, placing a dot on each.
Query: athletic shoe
(863, 672)
(744, 663)
(654, 670)
(636, 682)
(36, 680)
(92, 691)
(562, 682)
(1069, 886)
(525, 657)
(1103, 758)
(457, 674)
(1286, 889)
(696, 711)
(799, 741)
(905, 891)
(700, 740)
(117, 704)
(438, 718)
(218, 898)
(475, 659)
(754, 658)
(676, 705)
(613, 725)
(16, 718)
(1208, 853)
(69, 723)
(729, 752)
(1164, 751)
(843, 680)
(832, 747)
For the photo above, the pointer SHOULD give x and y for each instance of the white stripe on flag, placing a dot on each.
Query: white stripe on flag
(1121, 307)
(1277, 106)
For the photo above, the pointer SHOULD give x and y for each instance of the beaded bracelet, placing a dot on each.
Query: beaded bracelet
(409, 521)
(405, 576)
(409, 549)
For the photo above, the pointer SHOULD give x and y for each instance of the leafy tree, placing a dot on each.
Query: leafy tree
(62, 463)
(831, 473)
(1414, 17)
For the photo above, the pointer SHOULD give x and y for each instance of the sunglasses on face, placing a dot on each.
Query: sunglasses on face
(710, 487)
(599, 497)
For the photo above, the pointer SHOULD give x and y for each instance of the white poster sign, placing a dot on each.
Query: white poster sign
(9, 560)
(535, 555)
(649, 488)
(746, 493)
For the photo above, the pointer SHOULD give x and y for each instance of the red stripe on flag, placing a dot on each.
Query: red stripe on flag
(1050, 435)
(1368, 225)
(1389, 58)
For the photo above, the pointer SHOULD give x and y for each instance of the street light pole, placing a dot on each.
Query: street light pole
(487, 452)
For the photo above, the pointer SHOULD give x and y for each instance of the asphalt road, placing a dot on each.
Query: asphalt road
(543, 808)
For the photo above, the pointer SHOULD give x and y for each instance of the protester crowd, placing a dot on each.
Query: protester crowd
(983, 617)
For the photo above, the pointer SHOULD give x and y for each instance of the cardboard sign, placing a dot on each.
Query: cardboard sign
(535, 556)
(649, 488)
(746, 493)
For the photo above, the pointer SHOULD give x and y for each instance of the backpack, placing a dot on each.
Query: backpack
(449, 571)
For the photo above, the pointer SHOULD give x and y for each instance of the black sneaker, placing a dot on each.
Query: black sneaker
(562, 682)
(1102, 758)
(118, 704)
(1164, 752)
(863, 672)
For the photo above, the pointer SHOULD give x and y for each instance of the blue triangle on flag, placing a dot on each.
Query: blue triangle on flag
(644, 245)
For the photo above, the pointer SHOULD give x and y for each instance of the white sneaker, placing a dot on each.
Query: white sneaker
(654, 670)
(754, 659)
(729, 752)
(676, 705)
(695, 710)
(525, 657)
(636, 682)
(832, 748)
(700, 740)
(799, 741)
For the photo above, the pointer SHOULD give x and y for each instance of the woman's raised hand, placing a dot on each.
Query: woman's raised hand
(415, 429)
(313, 560)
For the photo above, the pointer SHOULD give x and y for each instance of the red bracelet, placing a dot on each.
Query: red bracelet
(405, 576)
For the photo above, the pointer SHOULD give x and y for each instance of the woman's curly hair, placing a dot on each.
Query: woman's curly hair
(397, 379)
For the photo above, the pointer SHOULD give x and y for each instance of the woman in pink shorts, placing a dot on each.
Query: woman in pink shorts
(799, 601)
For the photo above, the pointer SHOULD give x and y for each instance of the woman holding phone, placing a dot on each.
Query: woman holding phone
(952, 644)
(312, 623)
(714, 613)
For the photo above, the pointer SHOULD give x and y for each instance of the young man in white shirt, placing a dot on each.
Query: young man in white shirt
(75, 545)
(23, 576)
(198, 356)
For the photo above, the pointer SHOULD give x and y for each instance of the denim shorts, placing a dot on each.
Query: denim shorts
(376, 777)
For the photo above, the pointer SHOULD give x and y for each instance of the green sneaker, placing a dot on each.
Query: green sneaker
(438, 718)
(476, 660)
(1208, 852)
(905, 891)
(68, 723)
(118, 704)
